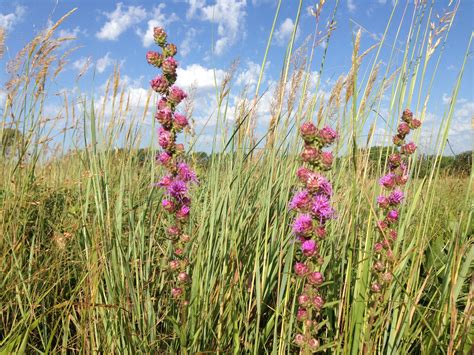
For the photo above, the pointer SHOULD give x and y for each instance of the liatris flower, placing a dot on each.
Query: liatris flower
(396, 177)
(176, 183)
(312, 203)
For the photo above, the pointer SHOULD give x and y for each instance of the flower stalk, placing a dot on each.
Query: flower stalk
(179, 176)
(314, 210)
(389, 202)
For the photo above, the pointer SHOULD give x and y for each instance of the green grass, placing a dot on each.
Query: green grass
(83, 249)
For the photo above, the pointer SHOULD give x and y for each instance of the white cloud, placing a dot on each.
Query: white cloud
(158, 19)
(188, 42)
(283, 33)
(7, 21)
(382, 2)
(229, 15)
(198, 76)
(351, 6)
(120, 20)
(103, 63)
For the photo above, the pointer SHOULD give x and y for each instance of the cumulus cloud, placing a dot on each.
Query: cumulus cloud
(103, 63)
(7, 21)
(283, 33)
(120, 20)
(200, 77)
(158, 19)
(229, 15)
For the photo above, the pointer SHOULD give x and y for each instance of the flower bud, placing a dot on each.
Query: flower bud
(301, 314)
(309, 247)
(313, 344)
(408, 148)
(407, 116)
(183, 277)
(315, 278)
(174, 264)
(378, 247)
(308, 131)
(326, 160)
(403, 128)
(376, 288)
(176, 292)
(327, 135)
(164, 158)
(303, 299)
(415, 123)
(173, 231)
(318, 302)
(164, 116)
(169, 66)
(302, 174)
(154, 58)
(392, 216)
(383, 201)
(159, 35)
(310, 155)
(183, 213)
(176, 95)
(299, 339)
(185, 238)
(379, 266)
(301, 269)
(180, 120)
(160, 84)
(179, 148)
(178, 251)
(398, 141)
(168, 205)
(170, 50)
(387, 277)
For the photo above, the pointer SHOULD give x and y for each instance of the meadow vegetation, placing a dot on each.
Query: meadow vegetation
(83, 250)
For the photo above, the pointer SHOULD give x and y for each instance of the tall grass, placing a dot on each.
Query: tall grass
(83, 246)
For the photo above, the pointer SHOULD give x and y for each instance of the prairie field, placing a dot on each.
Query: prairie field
(89, 264)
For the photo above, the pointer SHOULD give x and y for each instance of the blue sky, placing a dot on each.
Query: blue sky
(210, 34)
